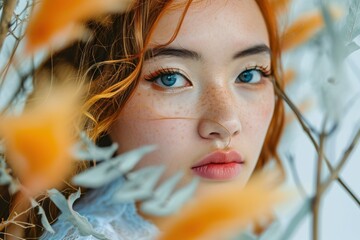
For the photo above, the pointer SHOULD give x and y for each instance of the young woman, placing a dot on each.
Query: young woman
(195, 78)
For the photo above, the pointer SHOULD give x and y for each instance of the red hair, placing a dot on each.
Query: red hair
(118, 78)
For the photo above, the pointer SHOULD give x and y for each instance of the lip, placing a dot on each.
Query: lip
(219, 165)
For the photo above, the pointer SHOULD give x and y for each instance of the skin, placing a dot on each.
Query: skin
(209, 109)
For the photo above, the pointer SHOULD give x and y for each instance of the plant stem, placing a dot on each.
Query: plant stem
(7, 13)
(317, 198)
(307, 130)
(336, 171)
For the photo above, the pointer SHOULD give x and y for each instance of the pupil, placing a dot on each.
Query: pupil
(168, 80)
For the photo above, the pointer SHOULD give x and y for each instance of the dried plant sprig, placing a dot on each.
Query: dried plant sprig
(11, 61)
(7, 13)
(317, 197)
(308, 132)
(335, 173)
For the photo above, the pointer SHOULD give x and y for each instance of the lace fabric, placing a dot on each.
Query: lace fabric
(117, 221)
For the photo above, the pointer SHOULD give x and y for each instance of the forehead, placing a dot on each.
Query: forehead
(229, 22)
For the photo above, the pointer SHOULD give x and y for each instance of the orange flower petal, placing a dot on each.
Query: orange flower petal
(305, 28)
(58, 16)
(220, 214)
(280, 5)
(289, 76)
(38, 142)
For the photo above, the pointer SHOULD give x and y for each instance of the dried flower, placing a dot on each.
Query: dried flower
(218, 214)
(305, 28)
(58, 22)
(37, 143)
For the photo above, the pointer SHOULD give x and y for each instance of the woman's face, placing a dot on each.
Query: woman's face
(205, 99)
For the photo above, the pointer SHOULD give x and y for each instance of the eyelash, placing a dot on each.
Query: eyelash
(163, 71)
(151, 77)
(265, 71)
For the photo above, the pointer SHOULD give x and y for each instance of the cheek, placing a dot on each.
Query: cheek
(260, 113)
(140, 123)
(255, 124)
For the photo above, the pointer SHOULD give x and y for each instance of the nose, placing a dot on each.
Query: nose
(220, 119)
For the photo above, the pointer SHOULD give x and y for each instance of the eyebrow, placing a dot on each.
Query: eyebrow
(186, 53)
(254, 50)
(172, 52)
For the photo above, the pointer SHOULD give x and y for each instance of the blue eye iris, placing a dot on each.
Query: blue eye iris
(171, 80)
(168, 79)
(251, 75)
(246, 76)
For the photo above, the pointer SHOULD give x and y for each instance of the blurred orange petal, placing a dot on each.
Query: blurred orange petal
(289, 76)
(38, 142)
(55, 21)
(305, 28)
(222, 213)
(280, 6)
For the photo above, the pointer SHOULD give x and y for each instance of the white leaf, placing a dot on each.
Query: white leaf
(139, 185)
(109, 170)
(5, 178)
(352, 26)
(87, 150)
(59, 200)
(162, 208)
(163, 191)
(68, 213)
(247, 235)
(44, 221)
(14, 187)
(272, 232)
(351, 47)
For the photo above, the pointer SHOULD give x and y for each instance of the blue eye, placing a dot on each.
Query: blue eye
(167, 78)
(250, 76)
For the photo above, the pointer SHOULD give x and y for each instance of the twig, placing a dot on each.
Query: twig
(18, 90)
(298, 115)
(8, 11)
(336, 171)
(347, 189)
(342, 183)
(18, 39)
(317, 198)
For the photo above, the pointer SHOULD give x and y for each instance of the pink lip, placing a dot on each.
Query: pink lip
(219, 165)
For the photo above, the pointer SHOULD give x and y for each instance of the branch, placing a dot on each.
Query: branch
(336, 171)
(8, 11)
(307, 130)
(317, 198)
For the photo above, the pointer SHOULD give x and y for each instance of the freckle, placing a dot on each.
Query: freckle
(139, 94)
